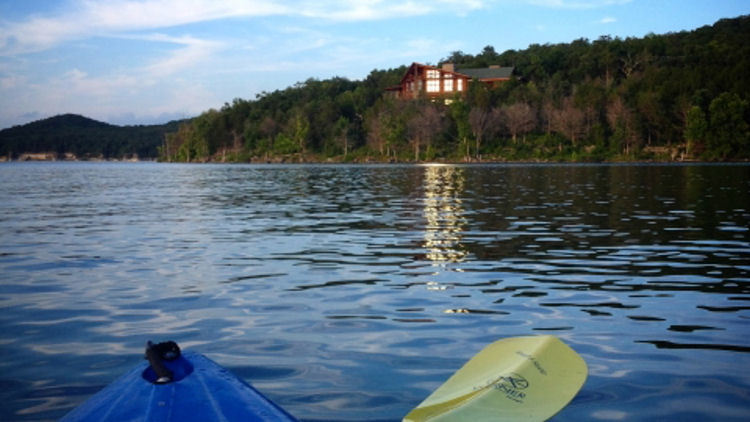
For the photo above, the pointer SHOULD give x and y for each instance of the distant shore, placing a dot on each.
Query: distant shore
(312, 159)
(51, 156)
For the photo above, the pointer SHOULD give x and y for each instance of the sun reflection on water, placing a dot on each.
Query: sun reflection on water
(444, 212)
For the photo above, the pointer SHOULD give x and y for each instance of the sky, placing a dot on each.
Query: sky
(151, 61)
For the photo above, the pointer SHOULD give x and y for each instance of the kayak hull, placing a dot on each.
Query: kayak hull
(201, 391)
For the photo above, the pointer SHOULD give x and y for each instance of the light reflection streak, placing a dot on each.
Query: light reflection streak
(82, 349)
(444, 212)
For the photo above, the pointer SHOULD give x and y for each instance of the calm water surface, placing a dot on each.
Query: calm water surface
(351, 292)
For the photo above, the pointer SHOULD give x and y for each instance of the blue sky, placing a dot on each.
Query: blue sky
(149, 61)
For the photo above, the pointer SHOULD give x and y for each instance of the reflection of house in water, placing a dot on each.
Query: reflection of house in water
(443, 211)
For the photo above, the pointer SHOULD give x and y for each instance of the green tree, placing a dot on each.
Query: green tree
(299, 127)
(459, 111)
(696, 130)
(395, 127)
(284, 144)
(342, 130)
(728, 130)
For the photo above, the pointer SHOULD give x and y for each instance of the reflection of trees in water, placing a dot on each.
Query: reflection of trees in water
(444, 211)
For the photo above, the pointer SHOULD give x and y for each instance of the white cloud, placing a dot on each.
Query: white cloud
(12, 81)
(193, 52)
(91, 18)
(367, 10)
(99, 18)
(129, 14)
(79, 84)
(577, 4)
(607, 20)
(362, 10)
(109, 97)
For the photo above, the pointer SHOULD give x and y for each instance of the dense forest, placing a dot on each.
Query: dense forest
(677, 96)
(76, 137)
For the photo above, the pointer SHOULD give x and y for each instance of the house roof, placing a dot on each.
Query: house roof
(488, 72)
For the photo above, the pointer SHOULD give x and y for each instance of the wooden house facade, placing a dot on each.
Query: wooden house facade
(446, 81)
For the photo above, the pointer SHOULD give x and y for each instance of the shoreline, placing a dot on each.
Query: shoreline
(28, 157)
(367, 161)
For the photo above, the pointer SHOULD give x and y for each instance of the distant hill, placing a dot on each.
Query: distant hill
(71, 136)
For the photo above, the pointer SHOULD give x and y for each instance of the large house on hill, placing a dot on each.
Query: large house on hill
(445, 81)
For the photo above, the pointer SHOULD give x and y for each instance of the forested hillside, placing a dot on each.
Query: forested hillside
(72, 136)
(668, 97)
(678, 96)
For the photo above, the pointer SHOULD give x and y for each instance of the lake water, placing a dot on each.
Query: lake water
(351, 292)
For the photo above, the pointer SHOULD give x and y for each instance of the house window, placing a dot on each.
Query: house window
(459, 84)
(433, 85)
(448, 85)
(433, 74)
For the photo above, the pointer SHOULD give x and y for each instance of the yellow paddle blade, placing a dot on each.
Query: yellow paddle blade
(514, 379)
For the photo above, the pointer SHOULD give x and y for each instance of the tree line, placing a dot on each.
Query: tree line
(669, 97)
(666, 97)
(78, 137)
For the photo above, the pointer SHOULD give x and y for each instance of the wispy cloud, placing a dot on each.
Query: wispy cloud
(109, 97)
(12, 81)
(607, 19)
(361, 10)
(577, 4)
(92, 18)
(192, 51)
(78, 81)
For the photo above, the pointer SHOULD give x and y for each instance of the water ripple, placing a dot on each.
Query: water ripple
(351, 292)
